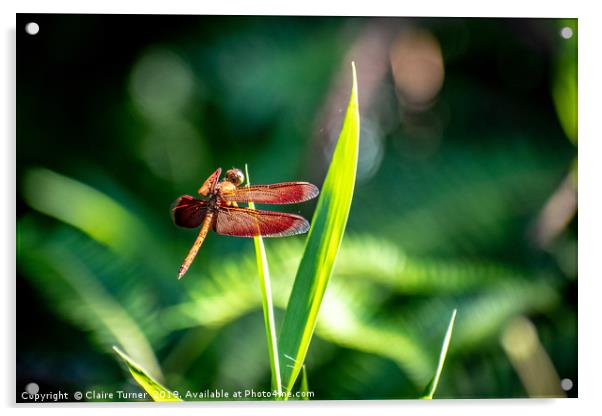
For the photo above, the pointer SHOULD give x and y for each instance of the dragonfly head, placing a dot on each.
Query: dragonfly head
(235, 176)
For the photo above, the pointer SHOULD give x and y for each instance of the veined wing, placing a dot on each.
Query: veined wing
(188, 212)
(210, 183)
(278, 193)
(245, 222)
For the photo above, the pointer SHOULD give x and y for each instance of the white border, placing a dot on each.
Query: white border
(462, 8)
(590, 287)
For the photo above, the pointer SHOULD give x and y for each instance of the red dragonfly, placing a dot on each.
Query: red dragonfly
(219, 211)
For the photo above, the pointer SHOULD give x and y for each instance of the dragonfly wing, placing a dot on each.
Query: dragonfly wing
(209, 184)
(188, 212)
(278, 193)
(244, 222)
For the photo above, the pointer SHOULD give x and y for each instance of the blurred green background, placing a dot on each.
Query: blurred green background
(466, 198)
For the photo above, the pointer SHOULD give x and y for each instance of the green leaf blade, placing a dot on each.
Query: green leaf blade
(80, 205)
(322, 247)
(267, 304)
(155, 390)
(432, 386)
(304, 385)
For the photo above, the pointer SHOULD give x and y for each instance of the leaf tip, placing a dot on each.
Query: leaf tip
(354, 83)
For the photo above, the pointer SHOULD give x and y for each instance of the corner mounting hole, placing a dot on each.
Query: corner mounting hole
(32, 28)
(566, 384)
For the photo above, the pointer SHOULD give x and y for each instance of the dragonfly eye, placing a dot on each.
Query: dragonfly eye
(235, 176)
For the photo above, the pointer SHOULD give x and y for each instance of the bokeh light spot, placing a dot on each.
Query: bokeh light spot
(161, 83)
(371, 150)
(417, 65)
(520, 338)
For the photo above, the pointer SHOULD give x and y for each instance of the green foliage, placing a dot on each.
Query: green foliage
(427, 233)
(82, 206)
(223, 295)
(323, 242)
(155, 390)
(432, 386)
(266, 302)
(304, 388)
(67, 268)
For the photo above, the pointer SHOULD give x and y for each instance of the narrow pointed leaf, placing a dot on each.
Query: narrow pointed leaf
(156, 391)
(432, 386)
(304, 384)
(322, 246)
(266, 301)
